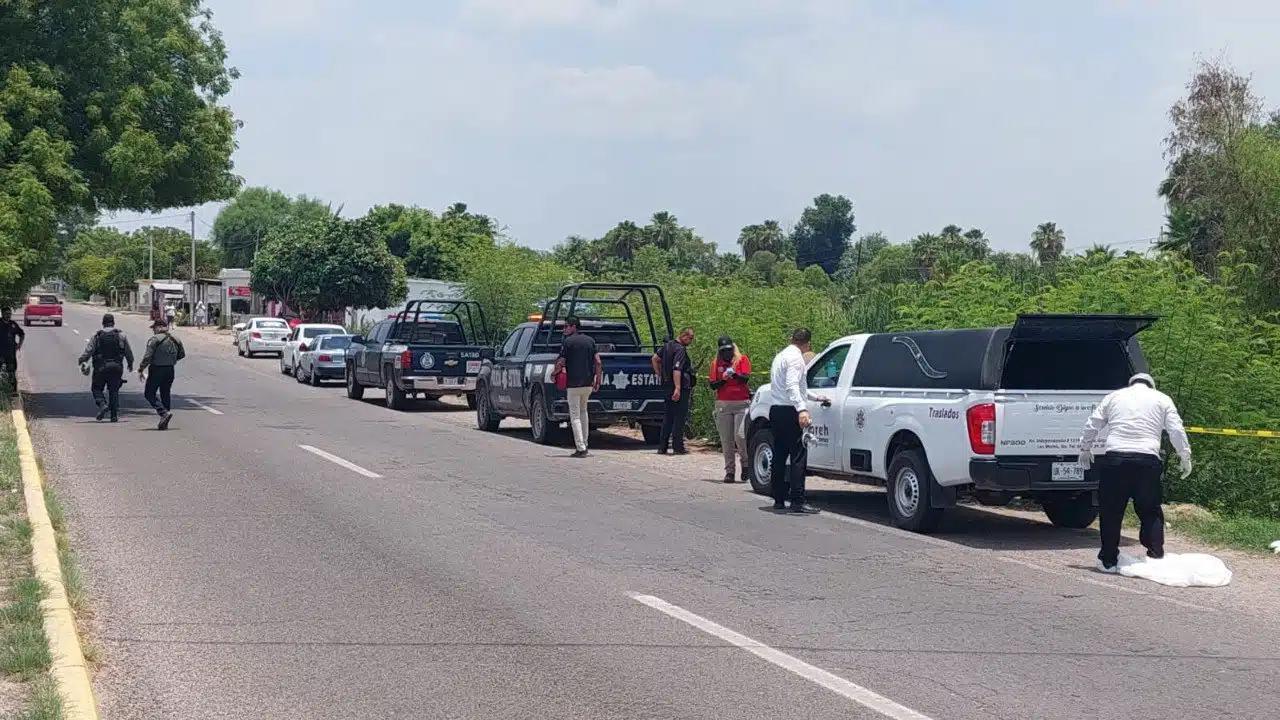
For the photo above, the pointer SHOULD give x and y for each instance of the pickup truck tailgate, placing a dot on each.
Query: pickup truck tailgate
(628, 382)
(1043, 423)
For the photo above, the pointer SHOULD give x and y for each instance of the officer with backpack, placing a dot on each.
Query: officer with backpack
(163, 353)
(109, 350)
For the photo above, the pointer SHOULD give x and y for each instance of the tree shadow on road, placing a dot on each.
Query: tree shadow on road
(80, 406)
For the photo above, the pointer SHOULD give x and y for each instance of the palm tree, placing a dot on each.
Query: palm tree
(1100, 253)
(664, 230)
(767, 236)
(1048, 243)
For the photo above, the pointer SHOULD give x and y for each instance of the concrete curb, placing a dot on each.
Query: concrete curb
(69, 669)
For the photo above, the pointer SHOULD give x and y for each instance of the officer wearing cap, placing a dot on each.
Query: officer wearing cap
(109, 350)
(163, 353)
(1136, 418)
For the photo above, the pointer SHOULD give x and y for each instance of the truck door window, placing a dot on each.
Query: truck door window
(525, 342)
(509, 347)
(825, 372)
(379, 333)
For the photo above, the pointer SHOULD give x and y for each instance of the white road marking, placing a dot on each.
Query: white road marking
(206, 408)
(339, 461)
(75, 331)
(817, 675)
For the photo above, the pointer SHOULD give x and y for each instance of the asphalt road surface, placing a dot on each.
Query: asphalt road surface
(284, 552)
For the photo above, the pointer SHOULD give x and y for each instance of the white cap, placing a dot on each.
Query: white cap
(1143, 378)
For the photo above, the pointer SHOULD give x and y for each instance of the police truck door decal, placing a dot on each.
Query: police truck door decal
(920, 359)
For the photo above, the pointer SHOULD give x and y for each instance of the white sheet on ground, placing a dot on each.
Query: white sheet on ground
(1275, 546)
(1178, 570)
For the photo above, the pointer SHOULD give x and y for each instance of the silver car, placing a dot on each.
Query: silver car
(262, 335)
(324, 359)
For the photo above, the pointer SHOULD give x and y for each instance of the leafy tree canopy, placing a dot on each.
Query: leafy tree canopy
(822, 236)
(244, 223)
(105, 105)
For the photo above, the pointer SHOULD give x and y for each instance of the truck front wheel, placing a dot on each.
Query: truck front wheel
(760, 461)
(909, 488)
(486, 418)
(1076, 512)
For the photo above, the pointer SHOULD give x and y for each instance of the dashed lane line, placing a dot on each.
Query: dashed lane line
(340, 462)
(836, 684)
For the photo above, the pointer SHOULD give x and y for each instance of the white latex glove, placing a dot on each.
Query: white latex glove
(1186, 466)
(1086, 459)
(728, 372)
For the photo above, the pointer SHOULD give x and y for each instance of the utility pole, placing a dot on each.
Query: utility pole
(151, 258)
(193, 260)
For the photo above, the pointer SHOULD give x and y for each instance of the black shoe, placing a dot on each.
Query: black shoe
(728, 479)
(1155, 554)
(662, 451)
(164, 421)
(115, 418)
(102, 413)
(800, 508)
(579, 454)
(779, 505)
(681, 451)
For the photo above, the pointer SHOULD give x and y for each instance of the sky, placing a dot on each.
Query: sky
(562, 117)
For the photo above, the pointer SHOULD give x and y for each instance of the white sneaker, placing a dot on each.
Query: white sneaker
(1113, 570)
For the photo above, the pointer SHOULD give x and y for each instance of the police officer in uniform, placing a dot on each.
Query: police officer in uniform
(11, 338)
(163, 353)
(109, 350)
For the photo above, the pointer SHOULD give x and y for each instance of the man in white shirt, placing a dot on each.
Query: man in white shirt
(788, 418)
(1137, 416)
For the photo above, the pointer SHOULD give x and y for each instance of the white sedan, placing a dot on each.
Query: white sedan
(262, 335)
(303, 335)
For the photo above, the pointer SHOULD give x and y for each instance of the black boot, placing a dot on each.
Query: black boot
(102, 412)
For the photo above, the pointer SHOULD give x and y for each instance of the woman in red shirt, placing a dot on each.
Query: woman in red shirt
(729, 375)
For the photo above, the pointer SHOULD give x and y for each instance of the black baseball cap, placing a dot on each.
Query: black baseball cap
(160, 324)
(725, 342)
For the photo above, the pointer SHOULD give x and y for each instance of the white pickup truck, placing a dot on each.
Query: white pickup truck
(992, 412)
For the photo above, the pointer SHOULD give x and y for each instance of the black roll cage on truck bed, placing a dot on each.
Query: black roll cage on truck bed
(570, 298)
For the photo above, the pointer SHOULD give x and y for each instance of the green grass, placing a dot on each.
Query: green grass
(45, 703)
(24, 650)
(1251, 534)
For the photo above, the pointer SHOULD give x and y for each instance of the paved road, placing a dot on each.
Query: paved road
(238, 575)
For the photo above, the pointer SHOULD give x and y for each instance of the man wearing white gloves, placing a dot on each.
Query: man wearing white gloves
(1130, 467)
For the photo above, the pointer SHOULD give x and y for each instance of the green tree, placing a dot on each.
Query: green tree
(822, 236)
(105, 105)
(440, 248)
(860, 255)
(511, 282)
(325, 265)
(243, 225)
(1048, 243)
(767, 236)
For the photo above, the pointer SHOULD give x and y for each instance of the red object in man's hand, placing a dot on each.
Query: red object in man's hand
(562, 380)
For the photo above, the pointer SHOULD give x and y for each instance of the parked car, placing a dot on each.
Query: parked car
(431, 349)
(42, 308)
(519, 381)
(261, 335)
(324, 358)
(992, 413)
(301, 336)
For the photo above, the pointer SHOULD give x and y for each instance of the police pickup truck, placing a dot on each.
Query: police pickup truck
(519, 381)
(993, 413)
(430, 349)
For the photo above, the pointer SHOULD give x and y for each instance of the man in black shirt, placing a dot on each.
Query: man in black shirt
(11, 338)
(677, 385)
(580, 362)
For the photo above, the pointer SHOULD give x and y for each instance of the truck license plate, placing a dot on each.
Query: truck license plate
(473, 367)
(622, 405)
(1066, 472)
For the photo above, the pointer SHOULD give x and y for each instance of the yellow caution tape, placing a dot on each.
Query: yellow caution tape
(1230, 431)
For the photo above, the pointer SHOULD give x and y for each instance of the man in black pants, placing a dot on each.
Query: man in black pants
(1137, 416)
(163, 353)
(788, 418)
(109, 350)
(11, 338)
(672, 365)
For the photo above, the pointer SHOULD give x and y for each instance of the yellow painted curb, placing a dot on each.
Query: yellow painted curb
(69, 670)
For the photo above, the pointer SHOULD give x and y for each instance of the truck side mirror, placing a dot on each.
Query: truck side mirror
(357, 339)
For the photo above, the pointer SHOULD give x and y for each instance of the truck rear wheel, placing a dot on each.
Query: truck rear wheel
(760, 461)
(1076, 512)
(395, 396)
(355, 390)
(909, 488)
(540, 422)
(486, 418)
